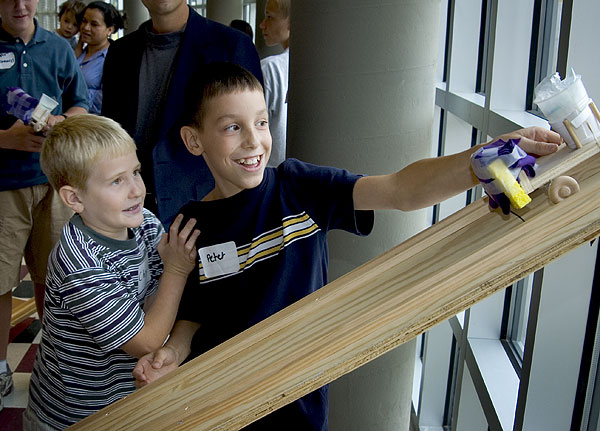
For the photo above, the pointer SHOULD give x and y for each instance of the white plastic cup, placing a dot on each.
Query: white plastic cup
(573, 104)
(585, 127)
(561, 104)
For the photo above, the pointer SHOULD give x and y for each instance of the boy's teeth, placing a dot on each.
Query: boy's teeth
(251, 161)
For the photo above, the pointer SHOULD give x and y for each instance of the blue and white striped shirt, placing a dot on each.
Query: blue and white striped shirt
(95, 290)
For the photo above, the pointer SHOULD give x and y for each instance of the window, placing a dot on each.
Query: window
(544, 45)
(515, 319)
(198, 5)
(249, 14)
(492, 54)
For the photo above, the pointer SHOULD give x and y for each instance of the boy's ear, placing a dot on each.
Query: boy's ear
(70, 197)
(190, 138)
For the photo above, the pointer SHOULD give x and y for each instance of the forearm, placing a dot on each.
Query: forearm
(181, 338)
(436, 179)
(418, 185)
(159, 317)
(178, 253)
(74, 110)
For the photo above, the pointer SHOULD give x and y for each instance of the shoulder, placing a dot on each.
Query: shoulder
(275, 66)
(151, 223)
(50, 39)
(310, 179)
(122, 44)
(277, 60)
(214, 32)
(296, 168)
(75, 251)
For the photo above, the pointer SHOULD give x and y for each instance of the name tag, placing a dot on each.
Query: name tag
(7, 60)
(220, 259)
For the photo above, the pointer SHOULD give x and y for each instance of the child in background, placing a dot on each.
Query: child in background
(263, 244)
(109, 298)
(69, 17)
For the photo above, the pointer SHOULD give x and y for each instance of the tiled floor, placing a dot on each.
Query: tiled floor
(24, 340)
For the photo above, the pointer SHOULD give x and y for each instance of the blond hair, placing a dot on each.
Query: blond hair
(74, 145)
(284, 7)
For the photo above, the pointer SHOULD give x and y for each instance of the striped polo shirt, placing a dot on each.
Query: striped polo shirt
(95, 290)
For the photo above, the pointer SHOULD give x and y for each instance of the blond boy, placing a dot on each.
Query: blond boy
(109, 298)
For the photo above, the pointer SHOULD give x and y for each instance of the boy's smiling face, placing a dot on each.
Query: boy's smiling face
(235, 141)
(114, 196)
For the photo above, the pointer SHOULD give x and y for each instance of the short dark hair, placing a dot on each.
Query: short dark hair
(216, 79)
(242, 26)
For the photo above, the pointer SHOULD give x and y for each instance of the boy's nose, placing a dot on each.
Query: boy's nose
(137, 188)
(251, 139)
(19, 4)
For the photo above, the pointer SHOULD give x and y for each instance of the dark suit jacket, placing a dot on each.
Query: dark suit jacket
(178, 175)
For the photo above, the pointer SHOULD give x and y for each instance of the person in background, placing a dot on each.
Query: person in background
(276, 31)
(69, 18)
(242, 26)
(32, 214)
(145, 76)
(99, 21)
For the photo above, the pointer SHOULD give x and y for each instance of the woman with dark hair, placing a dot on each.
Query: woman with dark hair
(100, 20)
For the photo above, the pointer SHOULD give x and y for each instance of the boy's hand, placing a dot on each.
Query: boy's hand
(535, 141)
(52, 121)
(21, 136)
(512, 150)
(154, 365)
(177, 249)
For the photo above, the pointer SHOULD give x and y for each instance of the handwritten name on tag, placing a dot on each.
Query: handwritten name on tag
(219, 259)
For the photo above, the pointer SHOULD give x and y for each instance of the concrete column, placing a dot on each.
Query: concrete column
(224, 11)
(361, 97)
(136, 14)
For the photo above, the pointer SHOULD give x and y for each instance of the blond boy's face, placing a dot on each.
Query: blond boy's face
(236, 141)
(114, 196)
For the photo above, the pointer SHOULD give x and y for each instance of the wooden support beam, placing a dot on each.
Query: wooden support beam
(380, 305)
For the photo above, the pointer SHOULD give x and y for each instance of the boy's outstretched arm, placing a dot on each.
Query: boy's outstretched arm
(166, 359)
(430, 181)
(178, 252)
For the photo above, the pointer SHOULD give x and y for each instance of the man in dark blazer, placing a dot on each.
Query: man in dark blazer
(145, 77)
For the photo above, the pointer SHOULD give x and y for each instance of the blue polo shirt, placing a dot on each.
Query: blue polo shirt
(47, 65)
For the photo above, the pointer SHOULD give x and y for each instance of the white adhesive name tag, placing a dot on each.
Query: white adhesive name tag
(220, 259)
(7, 60)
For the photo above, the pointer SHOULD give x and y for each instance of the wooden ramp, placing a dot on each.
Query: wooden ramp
(21, 309)
(380, 305)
